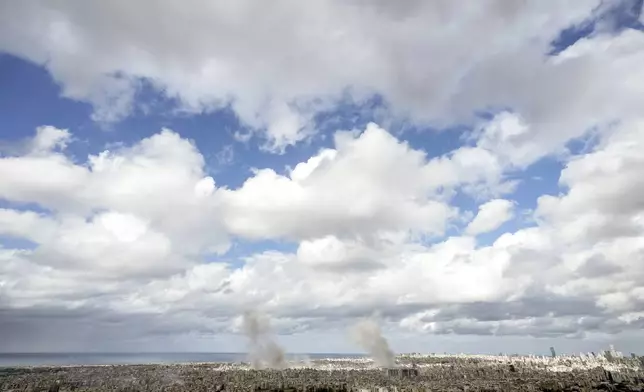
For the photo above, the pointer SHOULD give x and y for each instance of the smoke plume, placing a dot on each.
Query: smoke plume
(366, 333)
(264, 352)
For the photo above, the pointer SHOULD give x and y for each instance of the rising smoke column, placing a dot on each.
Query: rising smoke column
(264, 352)
(366, 333)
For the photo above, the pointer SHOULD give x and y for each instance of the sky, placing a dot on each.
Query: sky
(468, 174)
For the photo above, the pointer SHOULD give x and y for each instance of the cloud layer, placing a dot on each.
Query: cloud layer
(106, 241)
(279, 65)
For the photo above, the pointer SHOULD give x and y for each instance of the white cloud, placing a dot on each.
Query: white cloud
(564, 277)
(110, 243)
(368, 184)
(491, 216)
(603, 187)
(507, 137)
(332, 253)
(141, 209)
(27, 224)
(47, 138)
(278, 66)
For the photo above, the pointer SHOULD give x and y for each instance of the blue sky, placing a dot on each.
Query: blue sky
(321, 172)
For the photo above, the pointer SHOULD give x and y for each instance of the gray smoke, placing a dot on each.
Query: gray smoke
(366, 333)
(264, 352)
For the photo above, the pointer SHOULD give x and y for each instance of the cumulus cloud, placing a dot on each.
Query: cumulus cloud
(388, 187)
(332, 253)
(123, 251)
(491, 216)
(583, 255)
(109, 214)
(47, 138)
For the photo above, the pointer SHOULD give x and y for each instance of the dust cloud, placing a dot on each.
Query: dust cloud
(367, 335)
(264, 352)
